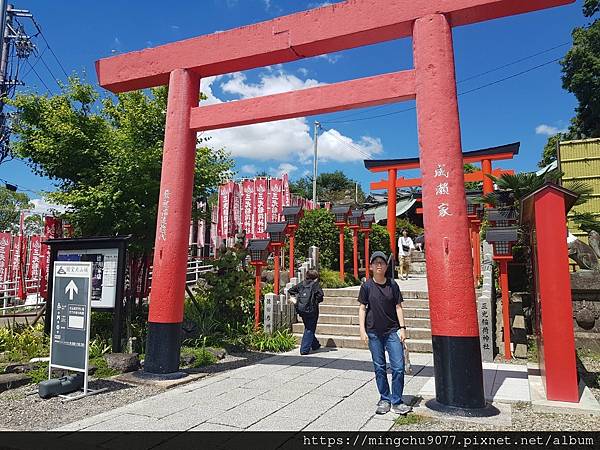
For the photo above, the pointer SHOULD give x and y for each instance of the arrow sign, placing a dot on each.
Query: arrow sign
(71, 287)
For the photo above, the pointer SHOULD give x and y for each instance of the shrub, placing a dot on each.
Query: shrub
(102, 369)
(317, 227)
(98, 347)
(331, 279)
(279, 341)
(23, 342)
(201, 355)
(379, 241)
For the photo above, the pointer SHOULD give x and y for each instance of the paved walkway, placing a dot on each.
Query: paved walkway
(331, 390)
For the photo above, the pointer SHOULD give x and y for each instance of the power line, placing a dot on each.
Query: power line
(49, 47)
(461, 93)
(22, 188)
(38, 76)
(361, 152)
(464, 80)
(51, 74)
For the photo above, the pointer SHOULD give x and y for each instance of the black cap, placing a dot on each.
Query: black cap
(378, 255)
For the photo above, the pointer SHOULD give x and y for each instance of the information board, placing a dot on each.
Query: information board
(70, 325)
(104, 272)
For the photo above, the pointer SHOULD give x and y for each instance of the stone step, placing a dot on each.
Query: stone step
(353, 293)
(414, 345)
(352, 319)
(412, 303)
(415, 313)
(353, 330)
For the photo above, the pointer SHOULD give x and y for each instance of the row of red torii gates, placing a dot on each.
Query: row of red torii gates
(485, 157)
(432, 83)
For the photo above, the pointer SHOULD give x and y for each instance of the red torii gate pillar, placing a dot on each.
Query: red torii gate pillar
(172, 227)
(391, 211)
(454, 326)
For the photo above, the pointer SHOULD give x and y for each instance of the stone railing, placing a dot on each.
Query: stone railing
(279, 312)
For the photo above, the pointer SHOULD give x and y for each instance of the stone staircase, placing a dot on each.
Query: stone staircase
(338, 320)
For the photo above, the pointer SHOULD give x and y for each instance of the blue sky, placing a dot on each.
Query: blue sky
(524, 108)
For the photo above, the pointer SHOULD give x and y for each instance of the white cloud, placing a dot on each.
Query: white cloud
(41, 206)
(283, 169)
(303, 71)
(274, 82)
(331, 59)
(337, 147)
(267, 4)
(249, 168)
(283, 140)
(548, 130)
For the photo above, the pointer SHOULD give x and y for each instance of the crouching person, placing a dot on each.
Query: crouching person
(381, 322)
(308, 295)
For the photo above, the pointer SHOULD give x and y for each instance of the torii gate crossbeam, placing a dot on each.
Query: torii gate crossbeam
(354, 23)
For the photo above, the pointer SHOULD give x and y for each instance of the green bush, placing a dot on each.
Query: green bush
(317, 227)
(280, 341)
(102, 369)
(98, 347)
(40, 374)
(379, 241)
(331, 279)
(202, 356)
(23, 342)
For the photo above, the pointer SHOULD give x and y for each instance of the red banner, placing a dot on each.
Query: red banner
(237, 209)
(33, 263)
(225, 225)
(275, 205)
(260, 219)
(248, 207)
(5, 241)
(52, 230)
(285, 187)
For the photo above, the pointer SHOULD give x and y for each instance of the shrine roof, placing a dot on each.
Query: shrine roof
(507, 151)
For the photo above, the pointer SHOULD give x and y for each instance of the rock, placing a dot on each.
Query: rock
(187, 359)
(13, 380)
(123, 362)
(583, 255)
(20, 368)
(189, 330)
(269, 276)
(92, 369)
(219, 353)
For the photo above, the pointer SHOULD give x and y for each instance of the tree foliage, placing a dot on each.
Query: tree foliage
(11, 203)
(334, 187)
(317, 227)
(580, 68)
(104, 156)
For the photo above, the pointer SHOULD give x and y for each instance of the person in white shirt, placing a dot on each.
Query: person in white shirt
(405, 248)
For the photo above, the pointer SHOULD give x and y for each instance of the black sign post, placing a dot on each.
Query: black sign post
(108, 256)
(70, 325)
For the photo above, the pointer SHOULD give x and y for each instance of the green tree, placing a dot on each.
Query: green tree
(580, 67)
(317, 227)
(334, 187)
(104, 156)
(11, 204)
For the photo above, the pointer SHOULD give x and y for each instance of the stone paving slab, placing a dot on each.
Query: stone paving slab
(327, 391)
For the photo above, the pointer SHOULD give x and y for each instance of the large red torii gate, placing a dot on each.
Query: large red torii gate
(354, 23)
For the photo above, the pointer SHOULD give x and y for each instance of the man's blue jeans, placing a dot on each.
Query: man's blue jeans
(378, 344)
(309, 340)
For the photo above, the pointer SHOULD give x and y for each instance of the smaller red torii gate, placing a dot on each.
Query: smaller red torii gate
(392, 166)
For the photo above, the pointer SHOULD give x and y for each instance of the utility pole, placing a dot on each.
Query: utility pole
(316, 139)
(16, 46)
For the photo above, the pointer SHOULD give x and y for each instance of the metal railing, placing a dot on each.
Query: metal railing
(195, 269)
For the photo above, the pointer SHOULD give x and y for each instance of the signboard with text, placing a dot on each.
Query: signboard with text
(70, 324)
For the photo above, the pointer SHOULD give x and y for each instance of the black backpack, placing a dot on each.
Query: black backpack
(305, 299)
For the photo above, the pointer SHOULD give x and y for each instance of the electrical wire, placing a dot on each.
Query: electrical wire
(459, 94)
(487, 72)
(49, 47)
(39, 78)
(351, 146)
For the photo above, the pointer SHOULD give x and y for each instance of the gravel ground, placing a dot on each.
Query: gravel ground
(523, 416)
(24, 410)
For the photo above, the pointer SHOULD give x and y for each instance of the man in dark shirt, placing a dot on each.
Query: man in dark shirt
(381, 322)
